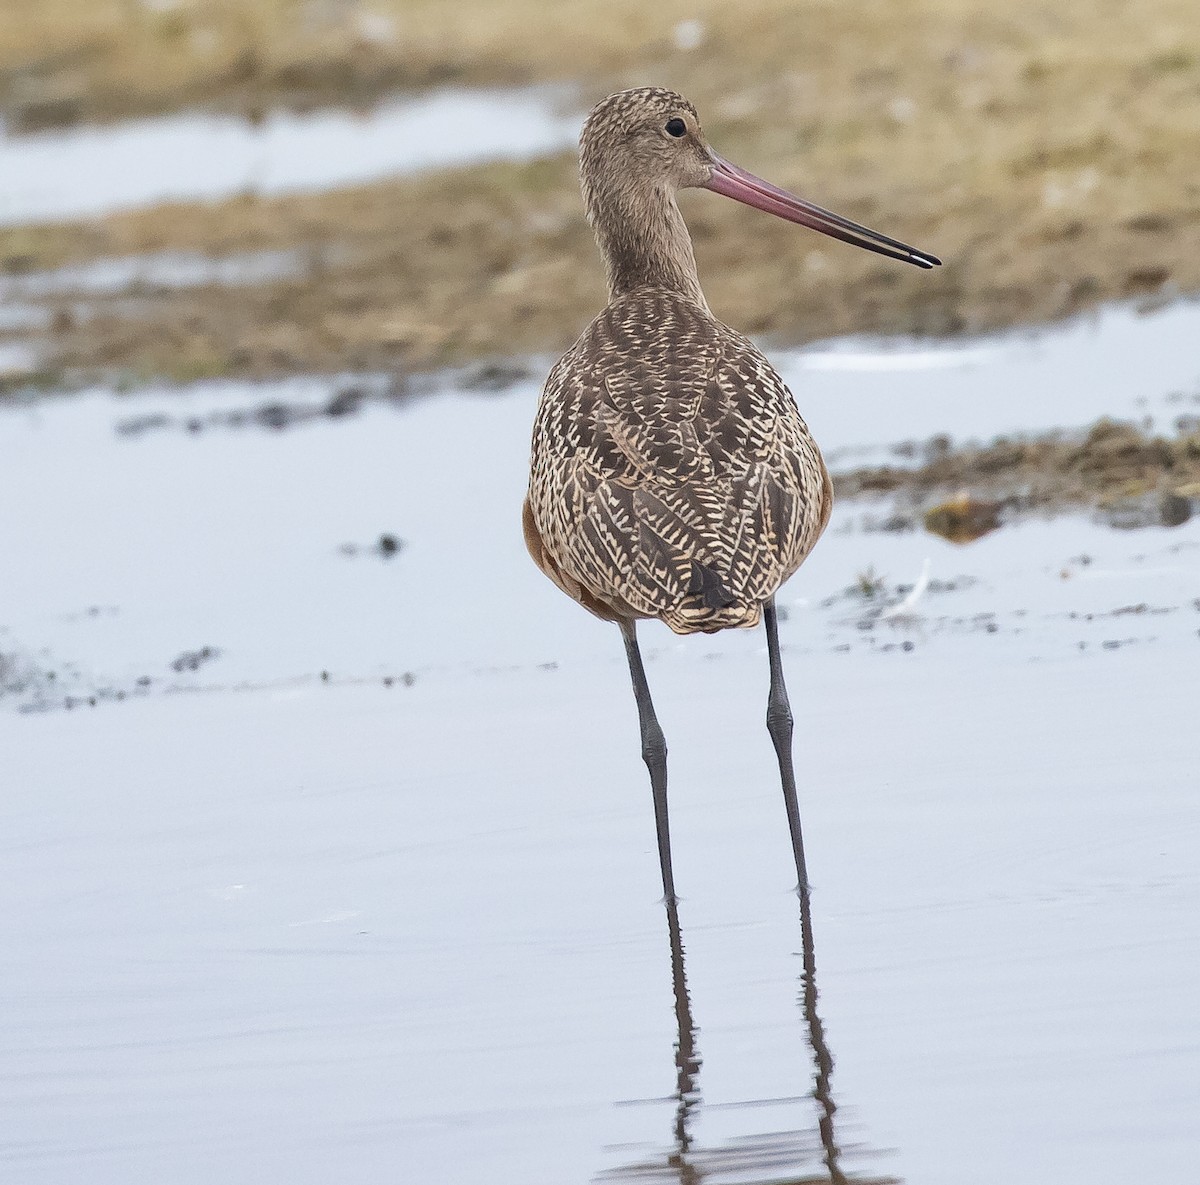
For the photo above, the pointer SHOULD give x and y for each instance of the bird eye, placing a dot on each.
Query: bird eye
(676, 127)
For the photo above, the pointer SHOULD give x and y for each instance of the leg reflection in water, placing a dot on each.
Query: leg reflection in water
(771, 1157)
(822, 1058)
(687, 1057)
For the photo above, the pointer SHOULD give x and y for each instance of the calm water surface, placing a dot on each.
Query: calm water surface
(402, 922)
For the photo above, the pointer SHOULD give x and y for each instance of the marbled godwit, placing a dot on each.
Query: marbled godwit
(672, 476)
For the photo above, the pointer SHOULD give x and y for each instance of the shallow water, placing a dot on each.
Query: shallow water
(265, 925)
(17, 358)
(1121, 361)
(195, 156)
(153, 270)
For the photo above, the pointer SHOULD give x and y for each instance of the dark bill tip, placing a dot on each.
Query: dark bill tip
(729, 180)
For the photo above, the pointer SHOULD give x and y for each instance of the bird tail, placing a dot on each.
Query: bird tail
(709, 606)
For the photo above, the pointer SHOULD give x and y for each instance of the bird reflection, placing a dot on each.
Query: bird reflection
(687, 1057)
(767, 1154)
(822, 1058)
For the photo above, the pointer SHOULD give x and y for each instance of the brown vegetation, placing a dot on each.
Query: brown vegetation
(1046, 153)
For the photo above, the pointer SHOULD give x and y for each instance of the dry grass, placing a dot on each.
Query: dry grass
(804, 60)
(62, 60)
(1047, 153)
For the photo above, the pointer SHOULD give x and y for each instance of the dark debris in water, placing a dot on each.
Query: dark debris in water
(493, 377)
(275, 415)
(868, 585)
(193, 660)
(1138, 610)
(34, 682)
(385, 547)
(872, 589)
(21, 674)
(40, 684)
(35, 689)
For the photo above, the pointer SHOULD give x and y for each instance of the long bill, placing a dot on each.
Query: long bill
(745, 187)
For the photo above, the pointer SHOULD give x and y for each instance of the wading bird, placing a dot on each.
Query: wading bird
(672, 475)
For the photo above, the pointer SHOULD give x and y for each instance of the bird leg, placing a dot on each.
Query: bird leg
(654, 754)
(779, 725)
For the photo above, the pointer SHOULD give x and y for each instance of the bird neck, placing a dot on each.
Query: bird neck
(644, 242)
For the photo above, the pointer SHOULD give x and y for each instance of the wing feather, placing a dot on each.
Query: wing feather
(665, 440)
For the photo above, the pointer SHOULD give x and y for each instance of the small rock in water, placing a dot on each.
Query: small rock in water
(345, 403)
(274, 415)
(386, 546)
(963, 519)
(1174, 510)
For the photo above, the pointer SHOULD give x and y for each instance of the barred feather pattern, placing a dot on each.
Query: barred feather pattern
(672, 475)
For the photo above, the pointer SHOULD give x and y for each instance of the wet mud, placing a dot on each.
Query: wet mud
(276, 415)
(1130, 477)
(340, 398)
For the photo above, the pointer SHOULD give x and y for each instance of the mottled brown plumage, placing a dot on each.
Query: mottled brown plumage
(672, 475)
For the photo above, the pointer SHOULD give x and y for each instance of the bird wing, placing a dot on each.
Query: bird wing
(672, 475)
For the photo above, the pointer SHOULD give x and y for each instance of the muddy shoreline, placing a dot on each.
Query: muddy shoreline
(1132, 477)
(496, 260)
(1048, 162)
